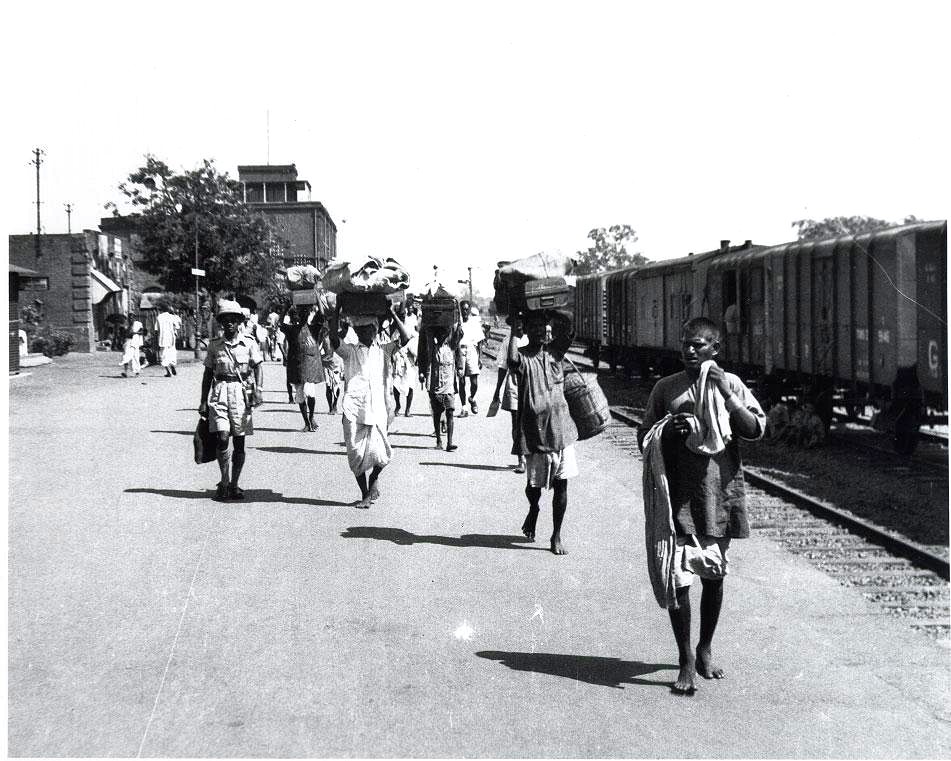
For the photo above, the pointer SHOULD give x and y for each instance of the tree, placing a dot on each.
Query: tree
(609, 251)
(236, 247)
(834, 227)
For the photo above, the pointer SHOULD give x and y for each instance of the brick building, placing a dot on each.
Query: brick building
(82, 279)
(307, 233)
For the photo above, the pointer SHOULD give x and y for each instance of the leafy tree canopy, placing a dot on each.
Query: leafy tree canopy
(171, 211)
(609, 250)
(834, 227)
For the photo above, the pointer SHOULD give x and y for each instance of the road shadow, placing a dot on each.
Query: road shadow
(250, 495)
(295, 409)
(280, 430)
(117, 377)
(467, 465)
(297, 450)
(604, 672)
(180, 433)
(419, 435)
(403, 537)
(408, 446)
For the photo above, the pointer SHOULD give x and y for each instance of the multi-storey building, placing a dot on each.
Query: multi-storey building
(307, 234)
(80, 280)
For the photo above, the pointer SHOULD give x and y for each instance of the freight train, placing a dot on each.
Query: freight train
(861, 319)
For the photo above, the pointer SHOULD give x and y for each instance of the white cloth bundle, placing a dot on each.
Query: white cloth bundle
(710, 430)
(370, 275)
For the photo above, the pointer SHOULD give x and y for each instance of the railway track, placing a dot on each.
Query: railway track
(900, 577)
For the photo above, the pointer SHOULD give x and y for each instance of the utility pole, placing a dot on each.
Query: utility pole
(37, 152)
(69, 217)
(469, 283)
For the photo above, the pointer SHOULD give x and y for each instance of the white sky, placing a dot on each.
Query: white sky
(457, 134)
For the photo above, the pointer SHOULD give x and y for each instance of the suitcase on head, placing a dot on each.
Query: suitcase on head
(549, 293)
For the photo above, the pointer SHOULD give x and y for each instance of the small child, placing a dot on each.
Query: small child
(442, 371)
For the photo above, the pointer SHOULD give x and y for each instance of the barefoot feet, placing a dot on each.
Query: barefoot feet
(705, 666)
(684, 684)
(528, 527)
(557, 547)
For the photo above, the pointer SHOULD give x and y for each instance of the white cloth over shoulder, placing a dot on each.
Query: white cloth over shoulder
(710, 429)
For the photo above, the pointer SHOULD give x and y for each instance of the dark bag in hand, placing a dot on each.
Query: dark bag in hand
(206, 442)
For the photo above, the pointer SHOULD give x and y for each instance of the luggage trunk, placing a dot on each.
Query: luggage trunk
(549, 293)
(363, 303)
(439, 312)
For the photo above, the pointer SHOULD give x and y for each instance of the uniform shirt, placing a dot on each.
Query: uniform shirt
(365, 372)
(707, 493)
(545, 425)
(246, 353)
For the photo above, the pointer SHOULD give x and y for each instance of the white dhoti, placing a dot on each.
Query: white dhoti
(367, 446)
(169, 356)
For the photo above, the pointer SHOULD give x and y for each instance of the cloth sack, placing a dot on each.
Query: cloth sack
(205, 442)
(370, 275)
(302, 276)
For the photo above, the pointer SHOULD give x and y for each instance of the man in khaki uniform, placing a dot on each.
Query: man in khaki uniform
(230, 388)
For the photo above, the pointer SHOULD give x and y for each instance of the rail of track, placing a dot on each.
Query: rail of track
(900, 577)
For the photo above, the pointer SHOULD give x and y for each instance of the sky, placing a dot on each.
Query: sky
(462, 134)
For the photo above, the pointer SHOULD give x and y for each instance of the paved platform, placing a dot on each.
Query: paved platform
(147, 619)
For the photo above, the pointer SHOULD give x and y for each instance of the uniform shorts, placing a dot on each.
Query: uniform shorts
(227, 410)
(704, 556)
(304, 390)
(544, 468)
(442, 402)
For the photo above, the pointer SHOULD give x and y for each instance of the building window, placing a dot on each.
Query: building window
(292, 192)
(254, 192)
(275, 192)
(35, 284)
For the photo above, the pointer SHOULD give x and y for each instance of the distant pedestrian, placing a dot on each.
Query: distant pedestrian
(366, 367)
(470, 347)
(441, 373)
(546, 431)
(304, 334)
(131, 348)
(404, 372)
(333, 372)
(507, 385)
(687, 437)
(230, 389)
(169, 327)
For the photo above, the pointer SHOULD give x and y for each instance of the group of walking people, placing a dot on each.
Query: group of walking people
(694, 493)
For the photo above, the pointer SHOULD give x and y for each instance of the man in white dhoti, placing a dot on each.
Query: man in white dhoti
(169, 326)
(366, 366)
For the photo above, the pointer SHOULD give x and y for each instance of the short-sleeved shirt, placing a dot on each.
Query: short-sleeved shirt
(707, 492)
(545, 424)
(245, 350)
(365, 372)
(304, 363)
(442, 370)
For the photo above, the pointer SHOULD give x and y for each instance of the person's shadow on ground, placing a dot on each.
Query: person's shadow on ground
(468, 465)
(250, 495)
(403, 537)
(606, 672)
(297, 450)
